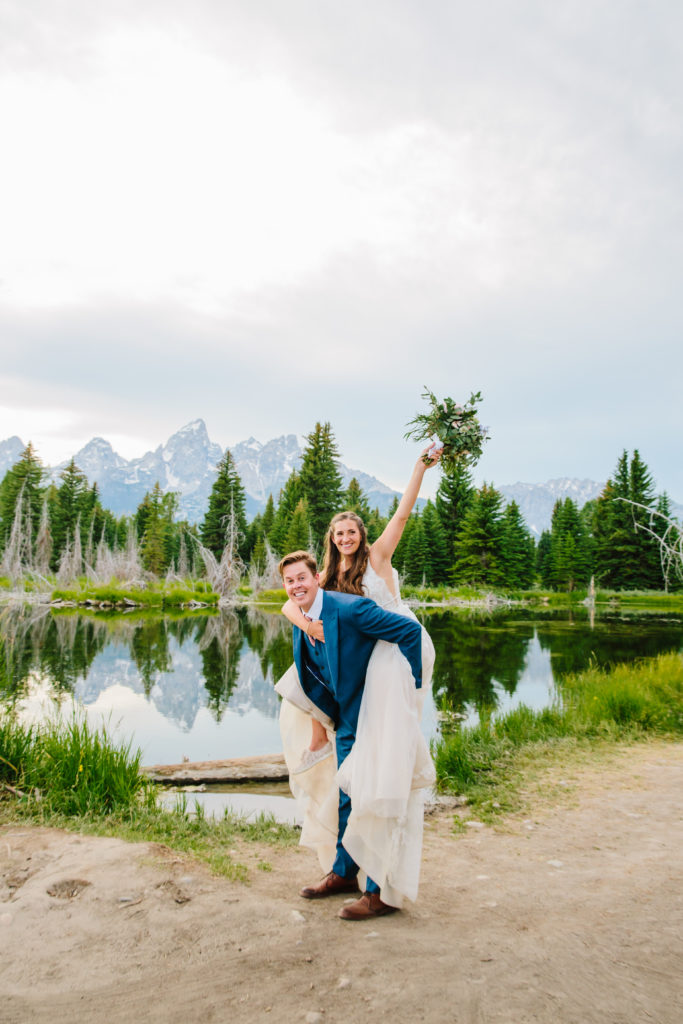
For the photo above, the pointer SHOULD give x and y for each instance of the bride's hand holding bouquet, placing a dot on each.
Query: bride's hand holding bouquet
(460, 436)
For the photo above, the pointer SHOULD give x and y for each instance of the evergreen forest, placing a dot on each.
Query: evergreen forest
(60, 532)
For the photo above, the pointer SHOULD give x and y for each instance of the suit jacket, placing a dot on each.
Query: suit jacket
(352, 627)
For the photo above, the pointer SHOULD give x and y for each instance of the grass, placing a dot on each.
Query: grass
(70, 769)
(655, 599)
(446, 594)
(277, 596)
(66, 775)
(487, 763)
(156, 595)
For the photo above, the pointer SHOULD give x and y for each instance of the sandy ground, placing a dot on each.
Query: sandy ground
(574, 915)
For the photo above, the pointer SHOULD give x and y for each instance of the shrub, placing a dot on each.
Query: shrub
(71, 768)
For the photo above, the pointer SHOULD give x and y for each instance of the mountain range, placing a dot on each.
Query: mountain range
(186, 463)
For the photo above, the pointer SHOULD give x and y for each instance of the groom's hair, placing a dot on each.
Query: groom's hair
(298, 556)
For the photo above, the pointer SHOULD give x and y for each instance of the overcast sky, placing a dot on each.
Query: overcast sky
(271, 213)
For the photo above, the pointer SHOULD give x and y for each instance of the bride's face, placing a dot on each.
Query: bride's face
(346, 537)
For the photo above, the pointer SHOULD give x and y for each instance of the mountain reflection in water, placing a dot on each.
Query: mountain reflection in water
(201, 686)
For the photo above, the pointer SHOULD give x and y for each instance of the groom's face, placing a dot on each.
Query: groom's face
(301, 584)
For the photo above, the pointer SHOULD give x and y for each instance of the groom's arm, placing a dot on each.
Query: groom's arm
(375, 622)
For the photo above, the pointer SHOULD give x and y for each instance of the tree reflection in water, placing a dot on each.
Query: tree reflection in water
(62, 645)
(187, 661)
(476, 655)
(220, 644)
(270, 635)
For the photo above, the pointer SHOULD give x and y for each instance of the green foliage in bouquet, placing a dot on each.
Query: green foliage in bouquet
(456, 426)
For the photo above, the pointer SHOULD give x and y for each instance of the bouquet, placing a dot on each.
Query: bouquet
(459, 432)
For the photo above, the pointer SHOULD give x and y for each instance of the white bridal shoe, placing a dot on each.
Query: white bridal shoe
(311, 757)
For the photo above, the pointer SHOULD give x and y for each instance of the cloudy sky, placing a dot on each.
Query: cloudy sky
(267, 214)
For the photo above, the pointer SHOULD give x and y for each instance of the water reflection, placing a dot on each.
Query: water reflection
(201, 686)
(496, 661)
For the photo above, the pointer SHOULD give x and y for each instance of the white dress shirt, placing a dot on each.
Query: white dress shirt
(316, 609)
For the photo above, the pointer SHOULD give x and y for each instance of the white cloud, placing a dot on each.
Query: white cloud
(162, 172)
(201, 202)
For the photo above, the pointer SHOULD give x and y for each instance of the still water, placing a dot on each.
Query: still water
(200, 686)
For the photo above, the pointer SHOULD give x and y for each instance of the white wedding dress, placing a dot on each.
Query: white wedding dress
(385, 773)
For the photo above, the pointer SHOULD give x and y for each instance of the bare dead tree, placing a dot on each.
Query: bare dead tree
(668, 534)
(224, 576)
(12, 558)
(267, 578)
(43, 553)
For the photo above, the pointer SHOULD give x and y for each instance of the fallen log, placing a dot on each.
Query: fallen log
(257, 768)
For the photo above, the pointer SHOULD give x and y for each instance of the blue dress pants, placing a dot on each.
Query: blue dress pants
(344, 864)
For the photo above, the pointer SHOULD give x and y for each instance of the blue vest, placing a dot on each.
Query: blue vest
(322, 691)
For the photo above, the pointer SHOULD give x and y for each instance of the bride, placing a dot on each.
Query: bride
(389, 764)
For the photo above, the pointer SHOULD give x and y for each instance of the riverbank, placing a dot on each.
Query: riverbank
(160, 596)
(595, 708)
(565, 912)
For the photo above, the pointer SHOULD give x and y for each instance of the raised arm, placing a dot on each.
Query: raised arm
(381, 552)
(313, 629)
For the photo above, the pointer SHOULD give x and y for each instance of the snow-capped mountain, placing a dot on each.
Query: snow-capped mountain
(187, 462)
(536, 501)
(265, 468)
(10, 453)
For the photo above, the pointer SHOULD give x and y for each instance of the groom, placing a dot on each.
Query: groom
(332, 675)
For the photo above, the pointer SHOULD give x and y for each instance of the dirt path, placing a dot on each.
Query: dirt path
(573, 916)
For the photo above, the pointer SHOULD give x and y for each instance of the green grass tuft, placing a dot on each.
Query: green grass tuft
(625, 703)
(153, 595)
(66, 775)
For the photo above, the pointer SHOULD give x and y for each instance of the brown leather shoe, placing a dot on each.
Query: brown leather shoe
(331, 885)
(369, 905)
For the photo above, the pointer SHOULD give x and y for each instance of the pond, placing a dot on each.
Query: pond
(200, 686)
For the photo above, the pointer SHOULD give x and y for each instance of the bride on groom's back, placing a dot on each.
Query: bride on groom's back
(389, 763)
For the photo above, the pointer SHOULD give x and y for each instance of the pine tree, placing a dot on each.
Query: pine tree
(416, 564)
(290, 495)
(438, 559)
(478, 543)
(69, 506)
(399, 557)
(158, 533)
(268, 516)
(354, 500)
(255, 533)
(258, 554)
(25, 478)
(626, 557)
(321, 482)
(646, 572)
(543, 560)
(227, 499)
(517, 549)
(298, 535)
(570, 562)
(374, 525)
(258, 532)
(453, 498)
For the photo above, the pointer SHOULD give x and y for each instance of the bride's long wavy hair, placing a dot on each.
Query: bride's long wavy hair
(332, 577)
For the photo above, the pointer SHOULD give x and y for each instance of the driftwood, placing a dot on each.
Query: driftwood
(258, 768)
(12, 789)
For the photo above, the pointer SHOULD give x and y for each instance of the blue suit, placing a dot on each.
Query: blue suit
(333, 675)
